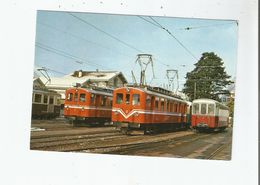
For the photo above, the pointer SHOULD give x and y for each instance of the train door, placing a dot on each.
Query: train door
(51, 104)
(211, 113)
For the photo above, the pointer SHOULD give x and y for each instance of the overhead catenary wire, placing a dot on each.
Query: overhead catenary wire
(67, 55)
(108, 34)
(205, 26)
(81, 38)
(159, 25)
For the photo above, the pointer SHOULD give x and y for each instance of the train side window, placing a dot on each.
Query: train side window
(156, 103)
(127, 99)
(119, 98)
(82, 97)
(38, 98)
(162, 104)
(148, 101)
(103, 100)
(51, 100)
(110, 101)
(175, 107)
(58, 100)
(45, 99)
(171, 106)
(136, 99)
(211, 109)
(152, 102)
(92, 99)
(195, 108)
(203, 108)
(70, 97)
(168, 105)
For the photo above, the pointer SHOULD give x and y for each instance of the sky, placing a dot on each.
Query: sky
(67, 41)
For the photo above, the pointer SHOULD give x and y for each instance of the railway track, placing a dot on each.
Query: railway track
(97, 142)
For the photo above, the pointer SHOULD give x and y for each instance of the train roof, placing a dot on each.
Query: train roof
(206, 100)
(46, 91)
(158, 91)
(96, 90)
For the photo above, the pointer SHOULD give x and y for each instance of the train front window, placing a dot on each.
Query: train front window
(196, 108)
(38, 98)
(119, 98)
(76, 97)
(127, 98)
(136, 99)
(203, 108)
(70, 97)
(211, 109)
(82, 97)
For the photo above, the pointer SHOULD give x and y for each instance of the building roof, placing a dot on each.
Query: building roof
(81, 77)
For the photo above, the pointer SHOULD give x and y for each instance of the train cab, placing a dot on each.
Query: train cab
(88, 105)
(209, 114)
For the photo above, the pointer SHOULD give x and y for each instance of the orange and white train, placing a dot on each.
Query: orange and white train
(147, 109)
(88, 105)
(208, 114)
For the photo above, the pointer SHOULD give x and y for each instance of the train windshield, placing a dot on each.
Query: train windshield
(119, 98)
(211, 109)
(203, 108)
(82, 97)
(136, 99)
(196, 108)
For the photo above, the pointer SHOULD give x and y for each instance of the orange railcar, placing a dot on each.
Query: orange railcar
(88, 105)
(208, 114)
(147, 109)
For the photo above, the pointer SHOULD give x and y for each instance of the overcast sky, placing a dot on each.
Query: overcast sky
(71, 41)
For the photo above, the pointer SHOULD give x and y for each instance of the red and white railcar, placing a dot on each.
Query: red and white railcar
(88, 105)
(208, 114)
(147, 109)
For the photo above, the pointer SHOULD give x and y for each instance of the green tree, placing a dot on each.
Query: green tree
(208, 80)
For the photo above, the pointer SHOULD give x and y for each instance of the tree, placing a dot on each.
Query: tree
(208, 80)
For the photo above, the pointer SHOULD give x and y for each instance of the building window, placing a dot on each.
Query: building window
(136, 99)
(203, 108)
(82, 97)
(127, 98)
(119, 98)
(38, 98)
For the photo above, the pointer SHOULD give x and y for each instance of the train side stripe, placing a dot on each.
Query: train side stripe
(141, 111)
